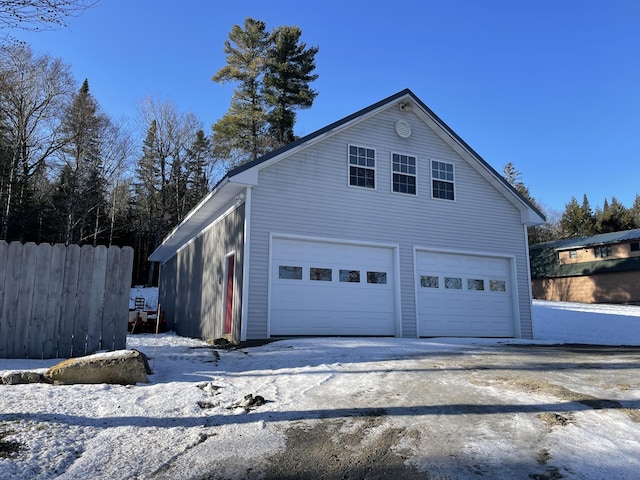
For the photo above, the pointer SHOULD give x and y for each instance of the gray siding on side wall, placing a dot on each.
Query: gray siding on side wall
(192, 282)
(308, 194)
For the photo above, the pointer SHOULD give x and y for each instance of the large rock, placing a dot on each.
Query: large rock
(124, 367)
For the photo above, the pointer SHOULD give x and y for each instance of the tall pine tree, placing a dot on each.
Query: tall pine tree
(240, 135)
(290, 66)
(273, 72)
(81, 187)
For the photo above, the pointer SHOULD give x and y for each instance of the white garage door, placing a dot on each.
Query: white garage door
(323, 288)
(464, 295)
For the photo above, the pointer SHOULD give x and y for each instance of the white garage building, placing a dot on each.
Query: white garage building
(384, 223)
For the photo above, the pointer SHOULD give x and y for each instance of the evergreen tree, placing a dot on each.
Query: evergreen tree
(634, 212)
(273, 72)
(199, 169)
(289, 72)
(81, 191)
(577, 219)
(539, 233)
(614, 217)
(240, 135)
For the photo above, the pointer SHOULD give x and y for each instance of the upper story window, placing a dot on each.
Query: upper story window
(573, 254)
(362, 167)
(602, 252)
(634, 246)
(442, 180)
(404, 173)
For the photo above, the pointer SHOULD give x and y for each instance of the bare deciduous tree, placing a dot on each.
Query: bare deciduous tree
(40, 14)
(34, 90)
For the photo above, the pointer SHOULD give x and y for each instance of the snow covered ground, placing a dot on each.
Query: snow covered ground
(183, 423)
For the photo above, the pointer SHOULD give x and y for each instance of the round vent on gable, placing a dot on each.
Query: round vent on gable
(403, 129)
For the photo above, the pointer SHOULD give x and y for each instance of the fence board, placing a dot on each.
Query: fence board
(4, 329)
(25, 301)
(83, 297)
(11, 293)
(39, 309)
(54, 301)
(68, 306)
(96, 299)
(122, 303)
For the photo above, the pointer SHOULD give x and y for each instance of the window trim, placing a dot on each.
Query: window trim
(414, 175)
(452, 182)
(374, 168)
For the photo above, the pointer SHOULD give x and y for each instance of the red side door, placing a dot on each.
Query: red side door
(228, 310)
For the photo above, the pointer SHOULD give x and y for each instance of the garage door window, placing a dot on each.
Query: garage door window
(475, 284)
(287, 272)
(322, 274)
(453, 283)
(377, 277)
(497, 285)
(428, 281)
(350, 276)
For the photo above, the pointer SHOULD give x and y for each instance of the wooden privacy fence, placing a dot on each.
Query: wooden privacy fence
(60, 301)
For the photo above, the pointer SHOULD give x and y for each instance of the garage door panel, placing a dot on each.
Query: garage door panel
(342, 303)
(323, 322)
(479, 305)
(318, 298)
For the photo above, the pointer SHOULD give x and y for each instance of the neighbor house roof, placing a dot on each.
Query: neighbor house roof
(594, 240)
(228, 190)
(545, 262)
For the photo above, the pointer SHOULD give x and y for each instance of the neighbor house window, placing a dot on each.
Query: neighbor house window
(602, 252)
(362, 167)
(442, 180)
(404, 173)
(634, 246)
(573, 254)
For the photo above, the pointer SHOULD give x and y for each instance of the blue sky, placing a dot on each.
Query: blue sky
(550, 85)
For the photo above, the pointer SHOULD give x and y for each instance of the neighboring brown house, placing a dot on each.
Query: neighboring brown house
(603, 268)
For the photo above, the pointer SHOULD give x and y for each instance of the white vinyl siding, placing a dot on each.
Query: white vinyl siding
(309, 194)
